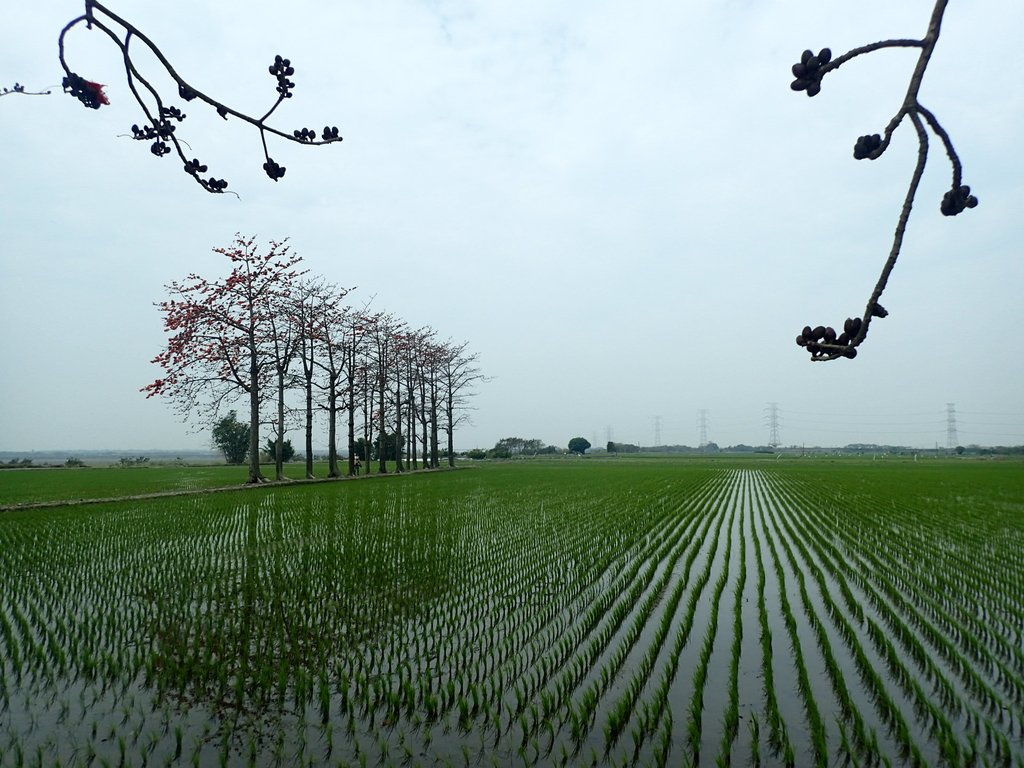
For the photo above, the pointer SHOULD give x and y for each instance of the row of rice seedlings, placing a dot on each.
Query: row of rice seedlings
(659, 707)
(601, 662)
(968, 559)
(878, 692)
(601, 619)
(696, 709)
(579, 667)
(980, 559)
(620, 711)
(647, 718)
(954, 596)
(607, 608)
(117, 660)
(913, 606)
(980, 601)
(778, 735)
(923, 703)
(732, 713)
(815, 725)
(924, 556)
(547, 705)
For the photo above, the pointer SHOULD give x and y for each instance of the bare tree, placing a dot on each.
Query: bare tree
(458, 373)
(333, 334)
(824, 343)
(284, 341)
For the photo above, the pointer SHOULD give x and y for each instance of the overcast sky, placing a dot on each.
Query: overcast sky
(622, 207)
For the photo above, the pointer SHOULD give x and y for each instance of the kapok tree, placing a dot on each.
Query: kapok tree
(382, 331)
(283, 345)
(162, 118)
(219, 331)
(325, 358)
(458, 373)
(824, 343)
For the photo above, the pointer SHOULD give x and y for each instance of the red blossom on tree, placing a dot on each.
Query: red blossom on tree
(219, 336)
(97, 92)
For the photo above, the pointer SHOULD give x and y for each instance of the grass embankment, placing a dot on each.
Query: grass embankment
(51, 485)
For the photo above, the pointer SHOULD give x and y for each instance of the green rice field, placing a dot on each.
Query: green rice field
(735, 612)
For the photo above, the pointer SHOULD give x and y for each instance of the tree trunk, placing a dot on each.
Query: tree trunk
(309, 423)
(399, 437)
(450, 429)
(382, 440)
(255, 475)
(332, 430)
(434, 461)
(279, 447)
(423, 421)
(367, 424)
(351, 427)
(410, 433)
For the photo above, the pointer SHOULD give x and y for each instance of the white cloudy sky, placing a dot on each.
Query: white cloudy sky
(621, 206)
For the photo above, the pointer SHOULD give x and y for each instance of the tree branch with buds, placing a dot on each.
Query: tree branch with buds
(824, 343)
(19, 88)
(162, 118)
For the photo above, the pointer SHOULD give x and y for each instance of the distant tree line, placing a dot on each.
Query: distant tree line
(511, 447)
(272, 335)
(622, 447)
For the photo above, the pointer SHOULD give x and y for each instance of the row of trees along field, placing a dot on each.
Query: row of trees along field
(272, 334)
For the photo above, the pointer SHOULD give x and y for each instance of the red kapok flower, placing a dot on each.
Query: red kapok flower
(97, 91)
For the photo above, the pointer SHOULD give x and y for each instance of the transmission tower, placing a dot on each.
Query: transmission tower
(657, 431)
(703, 414)
(951, 438)
(772, 416)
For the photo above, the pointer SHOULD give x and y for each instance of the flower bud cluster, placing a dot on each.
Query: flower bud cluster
(282, 69)
(808, 72)
(958, 198)
(825, 341)
(89, 93)
(866, 145)
(273, 170)
(306, 134)
(173, 113)
(162, 130)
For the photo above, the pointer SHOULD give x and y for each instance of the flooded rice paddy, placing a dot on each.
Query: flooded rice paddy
(615, 613)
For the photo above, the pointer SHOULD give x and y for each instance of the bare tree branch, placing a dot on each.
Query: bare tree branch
(19, 88)
(823, 342)
(161, 117)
